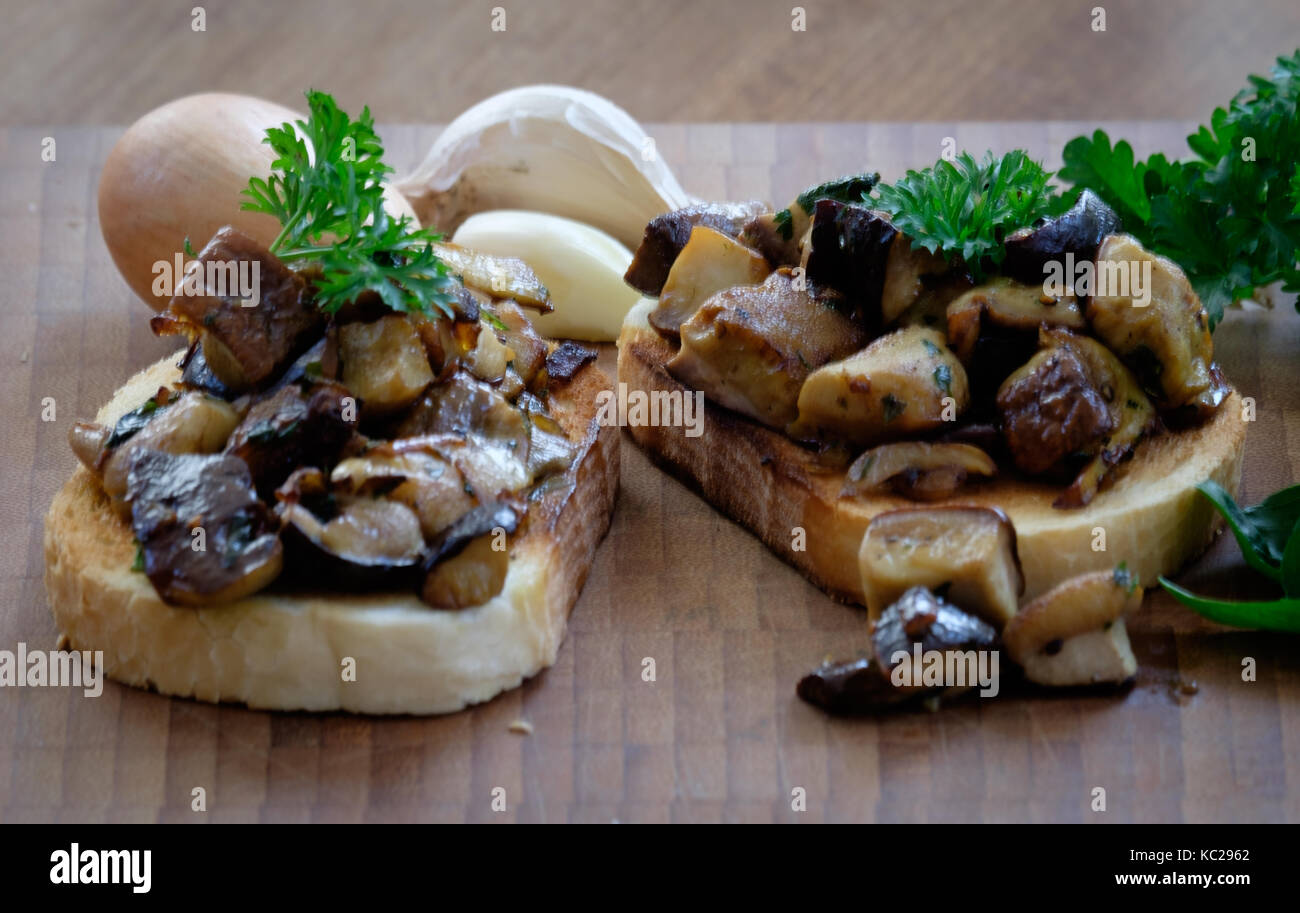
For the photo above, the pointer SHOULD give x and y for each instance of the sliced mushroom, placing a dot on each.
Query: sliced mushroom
(709, 263)
(351, 542)
(902, 384)
(527, 345)
(565, 361)
(192, 423)
(1079, 232)
(1074, 634)
(1167, 342)
(500, 277)
(919, 618)
(667, 234)
(290, 428)
(385, 364)
(428, 484)
(968, 553)
(204, 536)
(916, 470)
(469, 563)
(464, 405)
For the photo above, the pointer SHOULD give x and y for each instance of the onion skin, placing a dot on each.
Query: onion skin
(178, 172)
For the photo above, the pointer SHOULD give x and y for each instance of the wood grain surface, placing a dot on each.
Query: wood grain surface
(421, 61)
(719, 736)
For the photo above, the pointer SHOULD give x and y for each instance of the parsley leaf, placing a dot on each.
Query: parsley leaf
(963, 209)
(1229, 215)
(326, 188)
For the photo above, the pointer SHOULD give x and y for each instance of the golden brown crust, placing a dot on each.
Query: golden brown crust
(1151, 515)
(288, 651)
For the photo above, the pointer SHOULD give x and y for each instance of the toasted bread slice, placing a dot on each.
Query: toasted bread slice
(1150, 516)
(287, 651)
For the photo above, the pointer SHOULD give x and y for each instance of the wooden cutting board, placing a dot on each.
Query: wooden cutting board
(719, 735)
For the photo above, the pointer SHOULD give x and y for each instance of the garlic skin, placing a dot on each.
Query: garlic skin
(546, 148)
(581, 266)
(178, 172)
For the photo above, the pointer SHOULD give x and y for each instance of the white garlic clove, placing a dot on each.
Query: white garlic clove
(545, 148)
(581, 266)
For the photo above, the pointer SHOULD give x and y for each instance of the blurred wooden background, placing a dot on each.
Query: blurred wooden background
(423, 61)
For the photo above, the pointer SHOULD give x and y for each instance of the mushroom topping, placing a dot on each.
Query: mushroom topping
(1073, 399)
(848, 248)
(469, 562)
(902, 384)
(994, 327)
(354, 542)
(519, 337)
(916, 470)
(667, 234)
(245, 344)
(385, 364)
(291, 428)
(1074, 634)
(752, 347)
(500, 277)
(911, 272)
(565, 361)
(191, 423)
(921, 617)
(204, 536)
(1166, 340)
(850, 687)
(709, 263)
(1079, 231)
(968, 553)
(465, 406)
(428, 484)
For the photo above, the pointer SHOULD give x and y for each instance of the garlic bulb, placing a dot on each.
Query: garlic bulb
(550, 149)
(581, 266)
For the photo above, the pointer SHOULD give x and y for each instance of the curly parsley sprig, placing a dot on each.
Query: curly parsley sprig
(326, 188)
(964, 209)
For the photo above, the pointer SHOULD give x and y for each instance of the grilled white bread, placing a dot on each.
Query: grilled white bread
(1150, 516)
(290, 651)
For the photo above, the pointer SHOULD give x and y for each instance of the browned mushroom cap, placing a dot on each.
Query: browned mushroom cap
(1077, 606)
(916, 469)
(971, 550)
(180, 500)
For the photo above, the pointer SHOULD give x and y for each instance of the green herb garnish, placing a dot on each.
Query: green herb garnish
(493, 320)
(1230, 214)
(851, 189)
(326, 189)
(189, 248)
(893, 407)
(1269, 537)
(138, 563)
(1124, 578)
(963, 209)
(943, 379)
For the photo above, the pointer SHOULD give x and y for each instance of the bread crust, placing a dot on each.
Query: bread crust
(286, 651)
(1152, 516)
